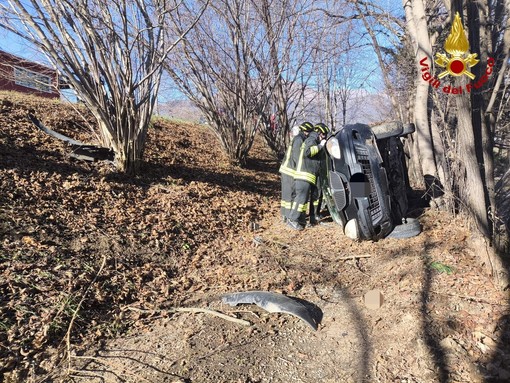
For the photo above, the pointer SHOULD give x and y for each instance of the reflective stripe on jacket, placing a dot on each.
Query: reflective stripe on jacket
(288, 165)
(284, 167)
(310, 156)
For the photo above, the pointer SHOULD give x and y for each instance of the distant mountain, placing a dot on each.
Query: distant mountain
(179, 110)
(362, 107)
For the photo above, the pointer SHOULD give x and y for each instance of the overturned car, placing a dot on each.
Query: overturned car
(365, 181)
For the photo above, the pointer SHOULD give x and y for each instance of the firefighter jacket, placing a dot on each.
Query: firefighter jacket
(288, 165)
(311, 156)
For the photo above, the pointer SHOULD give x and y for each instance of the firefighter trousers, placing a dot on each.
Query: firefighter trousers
(301, 201)
(315, 203)
(287, 195)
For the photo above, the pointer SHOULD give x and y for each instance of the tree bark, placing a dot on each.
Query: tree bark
(417, 27)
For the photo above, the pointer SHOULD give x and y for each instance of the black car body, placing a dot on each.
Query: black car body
(364, 189)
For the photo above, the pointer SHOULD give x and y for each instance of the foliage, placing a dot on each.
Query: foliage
(441, 268)
(61, 218)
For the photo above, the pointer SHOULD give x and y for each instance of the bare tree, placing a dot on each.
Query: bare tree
(457, 130)
(372, 16)
(344, 75)
(364, 24)
(247, 66)
(426, 145)
(214, 68)
(294, 33)
(111, 53)
(478, 109)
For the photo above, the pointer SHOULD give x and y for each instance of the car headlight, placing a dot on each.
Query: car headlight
(333, 148)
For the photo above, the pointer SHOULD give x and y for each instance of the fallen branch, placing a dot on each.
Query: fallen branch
(104, 361)
(192, 310)
(75, 313)
(286, 246)
(277, 243)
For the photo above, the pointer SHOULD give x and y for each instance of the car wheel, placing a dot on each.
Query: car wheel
(389, 129)
(408, 129)
(411, 227)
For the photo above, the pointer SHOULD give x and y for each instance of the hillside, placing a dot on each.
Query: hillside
(93, 266)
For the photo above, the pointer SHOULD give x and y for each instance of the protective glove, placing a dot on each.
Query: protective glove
(322, 143)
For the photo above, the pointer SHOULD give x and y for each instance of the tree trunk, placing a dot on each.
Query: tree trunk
(417, 27)
(478, 40)
(379, 54)
(471, 183)
(441, 163)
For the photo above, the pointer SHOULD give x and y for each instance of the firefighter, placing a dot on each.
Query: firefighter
(316, 192)
(288, 167)
(308, 165)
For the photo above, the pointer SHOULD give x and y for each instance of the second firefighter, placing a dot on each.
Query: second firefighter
(308, 165)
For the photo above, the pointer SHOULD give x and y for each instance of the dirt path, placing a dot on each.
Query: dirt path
(433, 326)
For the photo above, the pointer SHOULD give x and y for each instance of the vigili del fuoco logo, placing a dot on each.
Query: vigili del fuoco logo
(457, 63)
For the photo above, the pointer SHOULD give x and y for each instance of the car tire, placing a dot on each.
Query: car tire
(410, 228)
(408, 129)
(389, 129)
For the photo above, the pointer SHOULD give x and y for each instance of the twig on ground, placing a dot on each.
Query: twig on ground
(460, 296)
(354, 257)
(286, 246)
(104, 362)
(283, 245)
(75, 314)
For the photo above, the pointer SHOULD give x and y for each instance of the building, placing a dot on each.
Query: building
(25, 76)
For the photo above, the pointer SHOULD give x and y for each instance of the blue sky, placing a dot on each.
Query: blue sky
(12, 44)
(9, 42)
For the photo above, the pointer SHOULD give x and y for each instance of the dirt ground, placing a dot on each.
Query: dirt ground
(110, 279)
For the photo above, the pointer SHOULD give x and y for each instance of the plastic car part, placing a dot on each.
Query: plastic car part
(356, 185)
(392, 152)
(338, 190)
(410, 227)
(360, 185)
(273, 303)
(365, 188)
(351, 229)
(335, 214)
(408, 129)
(389, 129)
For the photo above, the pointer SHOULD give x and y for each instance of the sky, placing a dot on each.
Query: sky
(14, 45)
(10, 43)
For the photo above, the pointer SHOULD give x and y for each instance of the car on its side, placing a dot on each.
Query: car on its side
(365, 180)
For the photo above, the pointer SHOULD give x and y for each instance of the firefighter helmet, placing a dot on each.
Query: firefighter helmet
(321, 128)
(306, 127)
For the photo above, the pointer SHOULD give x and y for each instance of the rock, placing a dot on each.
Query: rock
(374, 299)
(449, 344)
